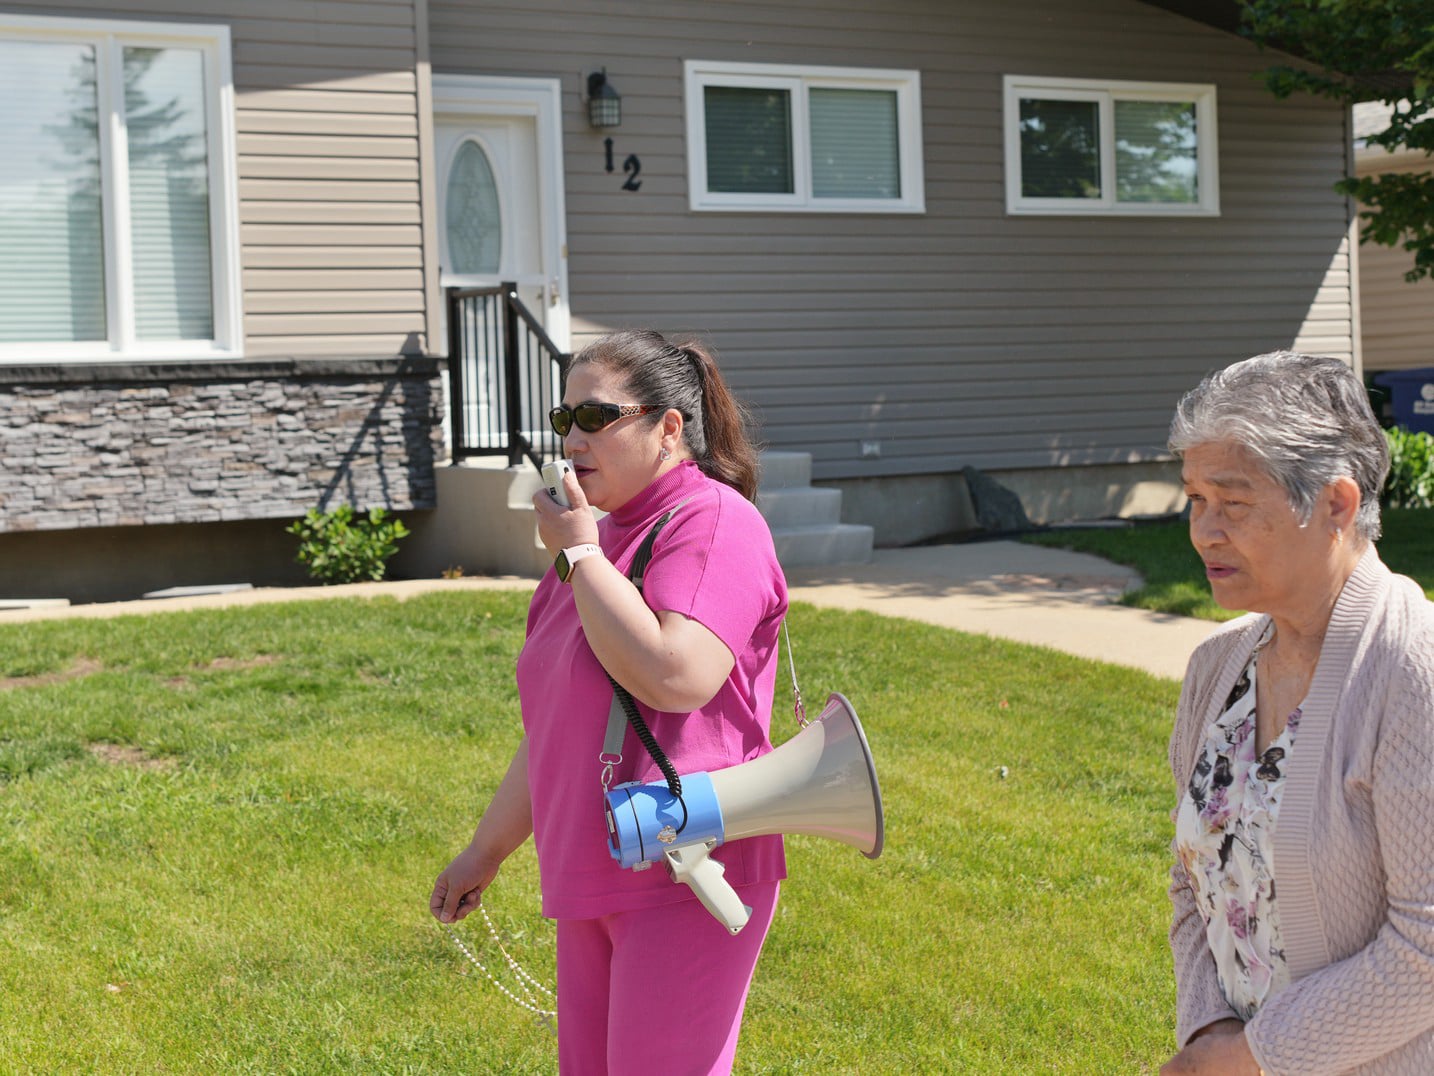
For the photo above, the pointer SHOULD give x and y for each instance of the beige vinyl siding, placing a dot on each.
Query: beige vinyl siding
(327, 143)
(1396, 317)
(329, 178)
(961, 335)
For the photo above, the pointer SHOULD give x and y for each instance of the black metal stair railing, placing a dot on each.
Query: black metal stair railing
(504, 373)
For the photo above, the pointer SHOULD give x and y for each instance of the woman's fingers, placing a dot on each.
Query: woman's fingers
(466, 904)
(449, 902)
(574, 490)
(436, 898)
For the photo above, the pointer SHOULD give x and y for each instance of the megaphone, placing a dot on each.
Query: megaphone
(821, 782)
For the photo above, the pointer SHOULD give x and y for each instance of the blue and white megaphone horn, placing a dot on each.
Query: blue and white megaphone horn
(820, 782)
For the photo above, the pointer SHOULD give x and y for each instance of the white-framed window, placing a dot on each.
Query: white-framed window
(118, 201)
(776, 137)
(1080, 146)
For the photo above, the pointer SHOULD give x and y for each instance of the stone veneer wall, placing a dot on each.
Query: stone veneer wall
(99, 446)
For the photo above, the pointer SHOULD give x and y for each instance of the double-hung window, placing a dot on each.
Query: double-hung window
(774, 137)
(118, 233)
(1078, 146)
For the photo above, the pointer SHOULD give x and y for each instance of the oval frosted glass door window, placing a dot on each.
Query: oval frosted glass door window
(474, 220)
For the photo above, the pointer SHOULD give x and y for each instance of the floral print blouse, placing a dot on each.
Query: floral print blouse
(1224, 833)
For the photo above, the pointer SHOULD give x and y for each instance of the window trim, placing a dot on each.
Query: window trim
(699, 74)
(110, 37)
(1105, 92)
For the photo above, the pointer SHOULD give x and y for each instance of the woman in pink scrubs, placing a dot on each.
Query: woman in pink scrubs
(648, 980)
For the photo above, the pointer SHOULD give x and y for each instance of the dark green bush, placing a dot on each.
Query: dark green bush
(338, 548)
(1411, 469)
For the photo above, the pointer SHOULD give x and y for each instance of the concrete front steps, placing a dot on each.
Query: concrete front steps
(806, 520)
(484, 524)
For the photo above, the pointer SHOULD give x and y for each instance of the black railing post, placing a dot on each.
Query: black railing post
(513, 390)
(501, 366)
(456, 394)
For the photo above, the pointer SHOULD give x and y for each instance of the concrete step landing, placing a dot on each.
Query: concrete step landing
(484, 522)
(829, 544)
(806, 519)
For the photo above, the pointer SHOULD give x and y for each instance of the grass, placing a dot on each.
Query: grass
(218, 831)
(1175, 579)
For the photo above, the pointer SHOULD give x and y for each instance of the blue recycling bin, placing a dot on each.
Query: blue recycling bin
(1411, 396)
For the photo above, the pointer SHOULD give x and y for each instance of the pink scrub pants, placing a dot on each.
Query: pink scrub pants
(658, 991)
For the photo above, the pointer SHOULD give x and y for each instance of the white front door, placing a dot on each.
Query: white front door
(491, 229)
(498, 157)
(498, 170)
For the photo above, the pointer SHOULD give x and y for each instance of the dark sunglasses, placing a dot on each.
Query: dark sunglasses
(592, 416)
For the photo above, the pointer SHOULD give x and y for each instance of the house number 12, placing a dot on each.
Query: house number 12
(631, 167)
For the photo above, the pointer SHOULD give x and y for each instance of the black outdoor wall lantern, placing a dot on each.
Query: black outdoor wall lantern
(604, 102)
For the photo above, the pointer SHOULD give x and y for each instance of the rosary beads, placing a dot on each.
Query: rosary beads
(529, 1001)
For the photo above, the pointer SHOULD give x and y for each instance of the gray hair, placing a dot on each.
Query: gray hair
(1305, 419)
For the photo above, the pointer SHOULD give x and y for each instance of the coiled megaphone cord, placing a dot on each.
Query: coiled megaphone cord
(636, 572)
(649, 741)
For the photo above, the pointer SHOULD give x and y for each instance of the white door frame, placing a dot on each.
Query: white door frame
(541, 99)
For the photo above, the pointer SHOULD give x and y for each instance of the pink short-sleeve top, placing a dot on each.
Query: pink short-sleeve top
(713, 562)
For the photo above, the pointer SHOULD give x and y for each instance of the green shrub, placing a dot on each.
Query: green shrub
(1411, 469)
(337, 548)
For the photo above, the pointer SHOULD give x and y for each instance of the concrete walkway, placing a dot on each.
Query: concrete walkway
(1027, 593)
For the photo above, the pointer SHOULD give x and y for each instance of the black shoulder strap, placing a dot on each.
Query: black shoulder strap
(638, 569)
(623, 703)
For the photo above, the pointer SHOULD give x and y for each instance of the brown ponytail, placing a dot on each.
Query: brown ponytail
(685, 377)
(731, 457)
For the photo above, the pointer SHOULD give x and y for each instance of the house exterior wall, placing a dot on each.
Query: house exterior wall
(332, 399)
(961, 336)
(98, 564)
(326, 113)
(327, 110)
(1396, 317)
(190, 447)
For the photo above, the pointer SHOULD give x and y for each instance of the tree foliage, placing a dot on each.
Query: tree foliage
(1411, 469)
(1366, 50)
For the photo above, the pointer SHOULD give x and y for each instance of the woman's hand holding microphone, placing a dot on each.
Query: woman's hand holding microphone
(562, 527)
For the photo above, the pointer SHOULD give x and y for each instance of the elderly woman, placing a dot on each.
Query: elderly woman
(648, 981)
(1303, 749)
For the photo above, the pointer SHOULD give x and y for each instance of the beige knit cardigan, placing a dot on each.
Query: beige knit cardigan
(1353, 847)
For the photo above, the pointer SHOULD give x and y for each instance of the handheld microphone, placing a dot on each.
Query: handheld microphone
(553, 478)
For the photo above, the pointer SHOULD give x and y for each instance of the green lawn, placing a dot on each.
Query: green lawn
(1175, 579)
(218, 831)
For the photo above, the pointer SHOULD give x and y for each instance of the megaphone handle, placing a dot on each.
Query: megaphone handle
(692, 865)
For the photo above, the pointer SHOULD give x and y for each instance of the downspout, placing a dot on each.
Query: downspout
(1351, 209)
(435, 341)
